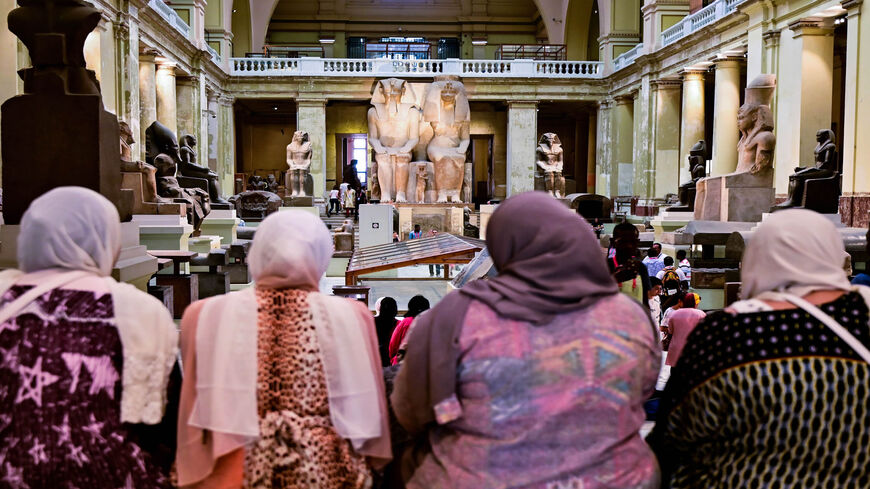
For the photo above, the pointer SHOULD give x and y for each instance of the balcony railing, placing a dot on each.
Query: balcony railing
(214, 54)
(627, 57)
(697, 21)
(466, 68)
(171, 16)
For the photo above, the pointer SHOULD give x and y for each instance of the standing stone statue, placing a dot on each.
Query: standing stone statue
(448, 112)
(188, 167)
(422, 178)
(825, 156)
(299, 164)
(394, 123)
(162, 153)
(548, 156)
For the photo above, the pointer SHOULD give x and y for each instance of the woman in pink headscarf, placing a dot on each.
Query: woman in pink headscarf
(536, 377)
(283, 385)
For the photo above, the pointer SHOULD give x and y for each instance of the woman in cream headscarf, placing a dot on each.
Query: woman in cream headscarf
(772, 392)
(83, 359)
(282, 384)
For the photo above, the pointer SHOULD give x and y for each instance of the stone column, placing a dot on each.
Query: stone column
(311, 117)
(522, 133)
(855, 201)
(771, 61)
(727, 101)
(604, 148)
(147, 96)
(210, 145)
(126, 31)
(692, 126)
(808, 77)
(622, 174)
(186, 89)
(591, 153)
(667, 136)
(226, 164)
(166, 99)
(642, 146)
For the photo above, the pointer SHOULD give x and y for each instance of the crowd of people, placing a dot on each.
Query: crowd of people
(535, 378)
(344, 198)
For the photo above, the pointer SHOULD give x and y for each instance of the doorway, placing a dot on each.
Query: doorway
(352, 158)
(483, 184)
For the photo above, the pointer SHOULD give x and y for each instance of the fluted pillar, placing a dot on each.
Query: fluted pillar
(692, 125)
(727, 102)
(167, 112)
(147, 96)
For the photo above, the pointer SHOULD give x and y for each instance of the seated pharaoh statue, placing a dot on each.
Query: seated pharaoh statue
(825, 196)
(162, 153)
(747, 193)
(140, 178)
(394, 123)
(298, 164)
(188, 167)
(697, 161)
(447, 110)
(548, 171)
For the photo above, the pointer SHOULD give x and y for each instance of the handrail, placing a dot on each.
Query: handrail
(627, 57)
(697, 21)
(171, 16)
(466, 68)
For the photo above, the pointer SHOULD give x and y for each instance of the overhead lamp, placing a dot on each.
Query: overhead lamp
(327, 39)
(478, 41)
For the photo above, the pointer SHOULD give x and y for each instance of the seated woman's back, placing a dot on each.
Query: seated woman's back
(560, 402)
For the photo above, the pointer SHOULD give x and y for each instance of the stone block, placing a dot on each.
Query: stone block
(185, 289)
(223, 223)
(213, 283)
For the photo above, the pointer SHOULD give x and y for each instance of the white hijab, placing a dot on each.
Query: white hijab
(795, 251)
(291, 249)
(73, 233)
(72, 228)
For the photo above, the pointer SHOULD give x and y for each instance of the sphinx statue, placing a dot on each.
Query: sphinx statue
(447, 110)
(394, 122)
(747, 193)
(825, 168)
(163, 154)
(548, 169)
(298, 164)
(188, 167)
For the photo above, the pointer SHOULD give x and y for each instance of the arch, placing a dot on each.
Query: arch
(578, 25)
(261, 15)
(554, 13)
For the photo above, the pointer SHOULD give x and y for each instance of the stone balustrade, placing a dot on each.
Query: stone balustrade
(466, 68)
(627, 57)
(697, 21)
(171, 17)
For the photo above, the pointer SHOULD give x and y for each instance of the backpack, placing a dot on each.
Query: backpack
(670, 281)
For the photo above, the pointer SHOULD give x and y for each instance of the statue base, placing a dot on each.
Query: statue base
(444, 218)
(223, 223)
(163, 232)
(737, 197)
(299, 201)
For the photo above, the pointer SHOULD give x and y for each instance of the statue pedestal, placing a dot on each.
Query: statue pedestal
(223, 223)
(134, 266)
(163, 232)
(311, 209)
(738, 197)
(486, 211)
(668, 222)
(299, 201)
(444, 218)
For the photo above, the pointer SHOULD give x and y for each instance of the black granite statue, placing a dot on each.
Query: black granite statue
(697, 161)
(188, 167)
(823, 178)
(162, 152)
(256, 183)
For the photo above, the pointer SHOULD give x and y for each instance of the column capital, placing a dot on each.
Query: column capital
(667, 83)
(730, 61)
(148, 55)
(166, 66)
(853, 6)
(226, 100)
(771, 37)
(624, 99)
(311, 102)
(810, 26)
(522, 104)
(186, 80)
(692, 74)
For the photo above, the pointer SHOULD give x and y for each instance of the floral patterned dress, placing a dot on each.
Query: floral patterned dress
(60, 393)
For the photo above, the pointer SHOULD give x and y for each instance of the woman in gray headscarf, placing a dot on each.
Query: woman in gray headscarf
(772, 392)
(84, 359)
(534, 378)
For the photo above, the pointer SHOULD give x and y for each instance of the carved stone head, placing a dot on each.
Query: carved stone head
(549, 139)
(188, 140)
(159, 139)
(443, 93)
(825, 135)
(126, 133)
(754, 118)
(300, 137)
(393, 89)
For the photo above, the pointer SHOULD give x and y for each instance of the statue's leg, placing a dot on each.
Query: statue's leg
(560, 185)
(402, 161)
(385, 177)
(550, 181)
(456, 177)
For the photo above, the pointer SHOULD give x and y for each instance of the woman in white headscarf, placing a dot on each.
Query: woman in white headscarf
(282, 384)
(773, 391)
(84, 360)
